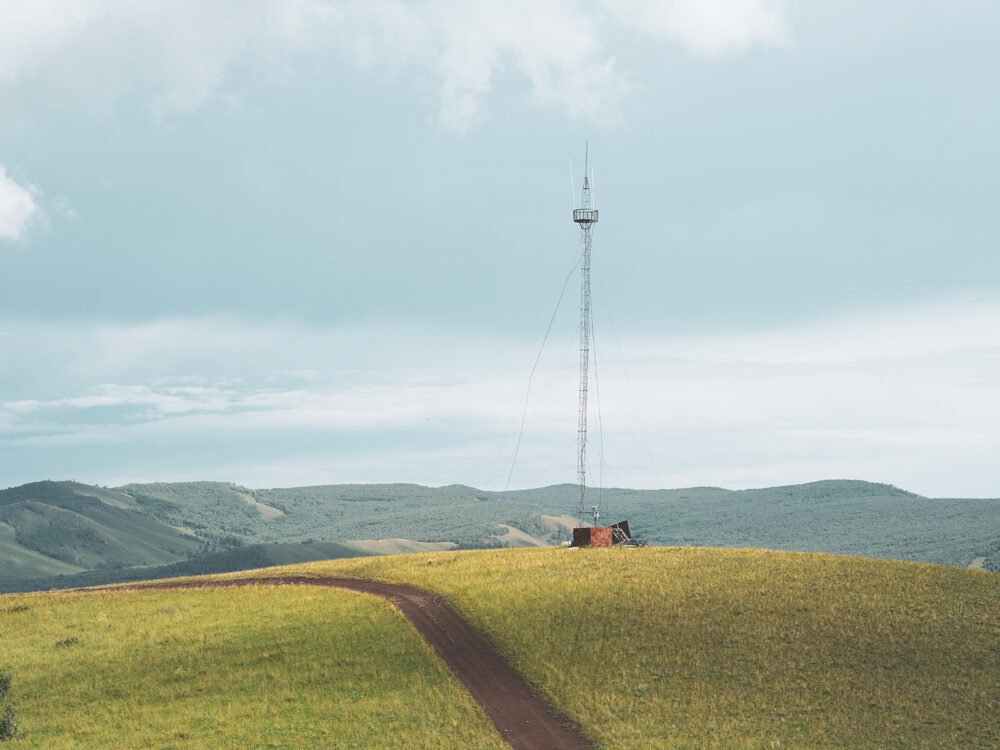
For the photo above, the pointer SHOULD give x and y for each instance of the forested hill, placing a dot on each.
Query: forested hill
(61, 528)
(840, 516)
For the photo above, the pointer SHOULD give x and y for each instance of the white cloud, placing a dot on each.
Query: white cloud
(90, 53)
(554, 45)
(176, 54)
(903, 396)
(17, 207)
(709, 27)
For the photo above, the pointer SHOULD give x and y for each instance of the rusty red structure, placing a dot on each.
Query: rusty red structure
(592, 536)
(605, 536)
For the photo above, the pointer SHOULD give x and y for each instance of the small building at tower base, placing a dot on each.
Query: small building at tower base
(592, 536)
(605, 536)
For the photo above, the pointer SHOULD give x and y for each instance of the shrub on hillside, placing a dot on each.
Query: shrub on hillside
(8, 720)
(8, 723)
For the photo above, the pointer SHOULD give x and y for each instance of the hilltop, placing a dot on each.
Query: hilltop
(67, 533)
(642, 649)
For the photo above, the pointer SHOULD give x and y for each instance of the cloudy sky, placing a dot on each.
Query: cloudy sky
(305, 241)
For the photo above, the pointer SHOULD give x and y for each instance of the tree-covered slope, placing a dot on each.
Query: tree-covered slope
(17, 562)
(58, 528)
(840, 516)
(50, 528)
(228, 512)
(250, 557)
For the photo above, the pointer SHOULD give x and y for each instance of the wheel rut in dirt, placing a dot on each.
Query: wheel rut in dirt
(524, 719)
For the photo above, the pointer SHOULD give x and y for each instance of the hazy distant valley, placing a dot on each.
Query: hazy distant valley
(57, 534)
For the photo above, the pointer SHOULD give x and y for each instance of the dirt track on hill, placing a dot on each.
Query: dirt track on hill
(525, 720)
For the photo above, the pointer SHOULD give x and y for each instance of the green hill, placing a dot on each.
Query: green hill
(216, 510)
(240, 558)
(643, 648)
(841, 516)
(714, 648)
(18, 562)
(60, 528)
(257, 668)
(53, 527)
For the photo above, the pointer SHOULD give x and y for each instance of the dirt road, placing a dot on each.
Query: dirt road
(523, 718)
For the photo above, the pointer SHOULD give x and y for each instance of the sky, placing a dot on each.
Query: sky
(288, 242)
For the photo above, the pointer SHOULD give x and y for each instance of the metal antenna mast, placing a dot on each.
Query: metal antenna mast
(586, 217)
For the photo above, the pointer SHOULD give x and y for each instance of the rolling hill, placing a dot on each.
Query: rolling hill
(59, 527)
(841, 516)
(250, 557)
(52, 531)
(643, 649)
(262, 668)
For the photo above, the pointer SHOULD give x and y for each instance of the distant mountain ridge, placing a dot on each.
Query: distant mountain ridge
(51, 528)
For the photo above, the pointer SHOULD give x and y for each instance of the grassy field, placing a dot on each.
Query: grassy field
(239, 668)
(710, 648)
(650, 648)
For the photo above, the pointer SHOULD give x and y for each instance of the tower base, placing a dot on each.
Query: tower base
(592, 536)
(605, 536)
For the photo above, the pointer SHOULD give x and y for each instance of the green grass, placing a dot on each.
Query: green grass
(644, 649)
(229, 668)
(710, 648)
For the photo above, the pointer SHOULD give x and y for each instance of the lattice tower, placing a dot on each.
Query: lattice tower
(586, 217)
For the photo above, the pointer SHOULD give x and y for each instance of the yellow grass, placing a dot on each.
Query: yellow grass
(709, 648)
(654, 648)
(260, 667)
